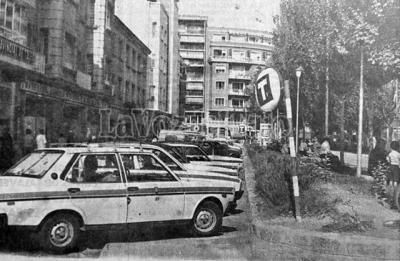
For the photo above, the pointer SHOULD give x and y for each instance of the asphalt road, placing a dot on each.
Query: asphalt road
(233, 243)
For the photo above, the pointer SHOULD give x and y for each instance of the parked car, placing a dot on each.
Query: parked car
(196, 155)
(59, 192)
(186, 169)
(218, 148)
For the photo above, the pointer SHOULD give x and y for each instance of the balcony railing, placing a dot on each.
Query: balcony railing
(195, 79)
(237, 92)
(192, 39)
(240, 76)
(192, 54)
(220, 58)
(20, 56)
(194, 100)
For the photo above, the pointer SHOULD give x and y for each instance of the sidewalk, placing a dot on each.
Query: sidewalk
(313, 245)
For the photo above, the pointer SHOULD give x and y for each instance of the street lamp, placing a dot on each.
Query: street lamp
(298, 75)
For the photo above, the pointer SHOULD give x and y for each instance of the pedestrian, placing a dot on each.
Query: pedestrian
(29, 142)
(61, 139)
(41, 141)
(394, 159)
(6, 150)
(377, 155)
(303, 148)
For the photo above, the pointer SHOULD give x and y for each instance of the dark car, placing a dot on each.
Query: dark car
(220, 149)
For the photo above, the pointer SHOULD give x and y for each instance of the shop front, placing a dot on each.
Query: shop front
(60, 112)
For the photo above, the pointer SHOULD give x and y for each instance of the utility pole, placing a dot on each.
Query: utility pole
(293, 160)
(360, 114)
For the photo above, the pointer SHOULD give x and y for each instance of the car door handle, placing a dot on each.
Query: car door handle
(74, 190)
(133, 189)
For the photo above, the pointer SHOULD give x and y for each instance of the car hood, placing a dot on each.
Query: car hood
(229, 165)
(225, 158)
(209, 178)
(211, 168)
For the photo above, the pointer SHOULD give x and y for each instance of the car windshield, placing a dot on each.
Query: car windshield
(34, 165)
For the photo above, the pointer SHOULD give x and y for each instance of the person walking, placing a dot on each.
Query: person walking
(29, 142)
(394, 159)
(6, 150)
(41, 141)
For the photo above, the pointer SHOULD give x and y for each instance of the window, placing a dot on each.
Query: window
(237, 86)
(154, 29)
(220, 85)
(219, 101)
(128, 55)
(95, 168)
(13, 16)
(109, 13)
(220, 69)
(237, 103)
(144, 168)
(35, 165)
(69, 51)
(44, 35)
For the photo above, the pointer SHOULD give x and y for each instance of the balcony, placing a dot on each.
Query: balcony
(239, 76)
(231, 59)
(194, 79)
(192, 54)
(194, 100)
(194, 86)
(237, 92)
(15, 56)
(192, 39)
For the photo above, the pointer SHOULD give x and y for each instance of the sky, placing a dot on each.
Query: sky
(245, 14)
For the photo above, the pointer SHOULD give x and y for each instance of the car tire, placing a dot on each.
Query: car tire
(59, 234)
(397, 197)
(207, 219)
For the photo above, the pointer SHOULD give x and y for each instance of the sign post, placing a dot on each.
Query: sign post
(293, 162)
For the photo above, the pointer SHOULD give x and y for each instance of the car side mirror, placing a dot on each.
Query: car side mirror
(54, 176)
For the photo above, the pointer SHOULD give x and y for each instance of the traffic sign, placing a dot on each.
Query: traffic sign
(268, 89)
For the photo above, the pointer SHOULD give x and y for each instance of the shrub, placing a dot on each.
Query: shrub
(273, 177)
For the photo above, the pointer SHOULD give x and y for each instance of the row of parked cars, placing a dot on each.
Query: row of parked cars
(59, 192)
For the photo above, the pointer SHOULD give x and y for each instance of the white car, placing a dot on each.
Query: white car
(189, 170)
(59, 192)
(198, 156)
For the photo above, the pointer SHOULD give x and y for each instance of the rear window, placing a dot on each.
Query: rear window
(35, 164)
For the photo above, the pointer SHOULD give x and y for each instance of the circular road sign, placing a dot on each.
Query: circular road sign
(268, 89)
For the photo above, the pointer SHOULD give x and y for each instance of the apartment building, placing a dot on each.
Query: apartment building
(233, 56)
(155, 22)
(193, 50)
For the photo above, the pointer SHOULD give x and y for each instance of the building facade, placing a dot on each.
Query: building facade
(193, 50)
(156, 23)
(55, 67)
(234, 55)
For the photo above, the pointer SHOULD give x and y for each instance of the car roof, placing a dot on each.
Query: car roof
(90, 148)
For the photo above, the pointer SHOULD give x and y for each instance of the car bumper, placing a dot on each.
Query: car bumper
(238, 194)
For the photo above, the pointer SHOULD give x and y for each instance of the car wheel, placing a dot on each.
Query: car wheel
(59, 233)
(207, 219)
(397, 197)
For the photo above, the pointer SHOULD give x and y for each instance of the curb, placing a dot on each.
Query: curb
(327, 246)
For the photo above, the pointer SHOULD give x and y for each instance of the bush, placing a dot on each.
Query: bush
(273, 177)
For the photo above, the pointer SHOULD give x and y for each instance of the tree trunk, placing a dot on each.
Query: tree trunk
(342, 107)
(327, 90)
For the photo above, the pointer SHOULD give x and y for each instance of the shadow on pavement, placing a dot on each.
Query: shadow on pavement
(25, 243)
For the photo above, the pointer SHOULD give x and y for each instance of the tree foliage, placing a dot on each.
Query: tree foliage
(317, 34)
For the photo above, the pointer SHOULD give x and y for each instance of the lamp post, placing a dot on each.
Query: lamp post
(298, 75)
